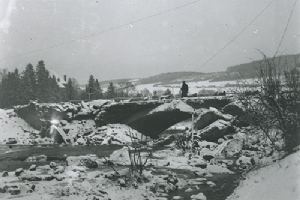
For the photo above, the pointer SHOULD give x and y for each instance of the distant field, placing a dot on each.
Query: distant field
(194, 87)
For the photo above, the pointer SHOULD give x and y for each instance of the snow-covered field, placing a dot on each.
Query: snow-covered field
(194, 87)
(278, 181)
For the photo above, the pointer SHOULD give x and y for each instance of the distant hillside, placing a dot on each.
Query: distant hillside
(174, 77)
(249, 70)
(116, 81)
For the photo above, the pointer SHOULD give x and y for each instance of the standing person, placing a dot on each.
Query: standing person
(184, 89)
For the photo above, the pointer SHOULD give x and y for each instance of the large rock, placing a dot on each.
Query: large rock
(197, 161)
(209, 116)
(229, 148)
(14, 190)
(199, 196)
(31, 177)
(12, 141)
(216, 130)
(207, 154)
(120, 157)
(32, 167)
(154, 124)
(206, 102)
(5, 174)
(37, 159)
(19, 171)
(123, 113)
(234, 109)
(245, 163)
(89, 161)
(35, 114)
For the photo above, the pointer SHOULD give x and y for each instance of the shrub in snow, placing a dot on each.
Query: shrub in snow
(275, 104)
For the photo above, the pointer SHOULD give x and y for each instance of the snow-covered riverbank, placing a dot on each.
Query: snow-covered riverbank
(278, 181)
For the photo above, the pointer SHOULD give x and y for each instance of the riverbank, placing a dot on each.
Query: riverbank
(71, 175)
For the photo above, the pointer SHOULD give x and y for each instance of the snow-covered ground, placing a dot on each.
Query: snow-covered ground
(242, 148)
(15, 130)
(278, 181)
(194, 87)
(114, 134)
(11, 126)
(174, 105)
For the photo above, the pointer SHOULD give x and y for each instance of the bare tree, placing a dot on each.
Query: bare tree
(139, 153)
(274, 104)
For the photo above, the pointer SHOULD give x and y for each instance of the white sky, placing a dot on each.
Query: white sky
(57, 31)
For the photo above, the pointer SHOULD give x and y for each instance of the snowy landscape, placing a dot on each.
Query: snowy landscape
(91, 161)
(149, 100)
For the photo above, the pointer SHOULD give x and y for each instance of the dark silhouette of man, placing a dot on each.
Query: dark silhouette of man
(184, 90)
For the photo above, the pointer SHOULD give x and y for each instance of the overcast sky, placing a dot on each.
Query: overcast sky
(116, 38)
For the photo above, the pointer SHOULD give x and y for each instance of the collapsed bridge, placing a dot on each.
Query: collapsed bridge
(150, 118)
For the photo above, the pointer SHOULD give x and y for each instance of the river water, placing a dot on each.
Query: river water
(13, 156)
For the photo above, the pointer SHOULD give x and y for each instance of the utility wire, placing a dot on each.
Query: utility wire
(286, 28)
(238, 34)
(112, 28)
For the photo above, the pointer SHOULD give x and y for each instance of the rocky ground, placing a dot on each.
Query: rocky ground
(200, 159)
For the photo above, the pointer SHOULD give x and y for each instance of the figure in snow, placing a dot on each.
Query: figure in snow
(184, 89)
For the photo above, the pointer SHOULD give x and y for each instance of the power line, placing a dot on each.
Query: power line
(107, 30)
(238, 34)
(286, 28)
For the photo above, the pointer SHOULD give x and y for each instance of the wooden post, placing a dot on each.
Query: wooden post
(193, 119)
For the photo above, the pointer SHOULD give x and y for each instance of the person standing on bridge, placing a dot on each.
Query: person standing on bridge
(184, 89)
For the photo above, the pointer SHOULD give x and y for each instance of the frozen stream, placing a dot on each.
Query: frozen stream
(13, 157)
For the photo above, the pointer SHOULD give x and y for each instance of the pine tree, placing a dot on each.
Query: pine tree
(11, 90)
(42, 82)
(17, 88)
(98, 90)
(29, 83)
(70, 91)
(168, 92)
(54, 90)
(90, 89)
(110, 91)
(4, 91)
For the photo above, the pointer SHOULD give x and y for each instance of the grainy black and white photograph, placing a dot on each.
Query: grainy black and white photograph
(150, 99)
